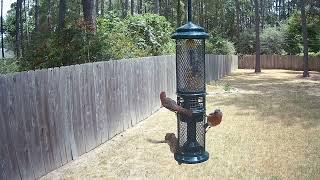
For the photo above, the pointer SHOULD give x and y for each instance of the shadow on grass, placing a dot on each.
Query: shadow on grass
(274, 99)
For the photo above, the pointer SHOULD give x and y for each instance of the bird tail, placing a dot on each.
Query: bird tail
(156, 141)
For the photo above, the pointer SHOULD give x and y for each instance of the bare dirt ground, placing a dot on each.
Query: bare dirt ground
(270, 130)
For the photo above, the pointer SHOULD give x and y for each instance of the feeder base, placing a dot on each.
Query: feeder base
(192, 158)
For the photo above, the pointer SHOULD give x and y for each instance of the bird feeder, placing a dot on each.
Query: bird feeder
(191, 91)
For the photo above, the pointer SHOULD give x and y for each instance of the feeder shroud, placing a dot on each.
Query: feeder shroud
(191, 92)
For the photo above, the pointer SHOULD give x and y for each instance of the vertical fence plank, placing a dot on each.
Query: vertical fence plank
(32, 125)
(100, 98)
(27, 117)
(92, 103)
(111, 103)
(69, 114)
(8, 161)
(17, 126)
(116, 98)
(108, 87)
(4, 161)
(41, 84)
(53, 116)
(86, 106)
(66, 111)
(77, 120)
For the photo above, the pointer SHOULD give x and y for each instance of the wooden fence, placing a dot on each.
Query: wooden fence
(50, 117)
(279, 62)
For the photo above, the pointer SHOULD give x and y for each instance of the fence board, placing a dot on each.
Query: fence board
(17, 126)
(86, 106)
(32, 125)
(77, 121)
(111, 102)
(69, 114)
(95, 140)
(8, 161)
(66, 113)
(41, 86)
(133, 94)
(53, 119)
(99, 85)
(107, 78)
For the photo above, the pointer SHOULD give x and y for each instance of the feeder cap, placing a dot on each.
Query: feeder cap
(190, 31)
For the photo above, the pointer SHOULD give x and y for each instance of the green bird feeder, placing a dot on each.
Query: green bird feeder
(191, 91)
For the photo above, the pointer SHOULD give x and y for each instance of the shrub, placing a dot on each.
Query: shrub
(246, 44)
(8, 66)
(272, 39)
(218, 45)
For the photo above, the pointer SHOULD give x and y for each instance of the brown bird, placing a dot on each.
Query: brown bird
(173, 106)
(214, 119)
(170, 139)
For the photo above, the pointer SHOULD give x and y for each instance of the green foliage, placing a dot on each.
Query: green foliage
(217, 45)
(73, 45)
(313, 54)
(116, 38)
(227, 87)
(8, 66)
(272, 39)
(246, 42)
(136, 36)
(293, 33)
(150, 32)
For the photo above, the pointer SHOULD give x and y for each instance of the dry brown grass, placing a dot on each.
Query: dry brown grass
(270, 130)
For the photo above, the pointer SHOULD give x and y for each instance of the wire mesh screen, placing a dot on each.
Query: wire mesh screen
(191, 134)
(190, 65)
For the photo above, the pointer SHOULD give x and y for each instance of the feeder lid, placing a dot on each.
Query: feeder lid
(190, 31)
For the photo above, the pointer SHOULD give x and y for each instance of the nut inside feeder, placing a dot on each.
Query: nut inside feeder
(191, 91)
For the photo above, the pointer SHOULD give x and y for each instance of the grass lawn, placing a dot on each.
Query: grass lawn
(270, 130)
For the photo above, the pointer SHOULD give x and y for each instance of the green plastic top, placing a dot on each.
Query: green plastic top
(190, 31)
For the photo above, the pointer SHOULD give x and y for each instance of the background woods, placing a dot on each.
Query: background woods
(55, 33)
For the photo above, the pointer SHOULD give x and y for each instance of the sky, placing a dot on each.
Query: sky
(6, 6)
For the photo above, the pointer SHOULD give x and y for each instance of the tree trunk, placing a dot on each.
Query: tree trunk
(110, 5)
(2, 46)
(36, 16)
(201, 13)
(21, 30)
(18, 27)
(157, 7)
(257, 24)
(62, 13)
(97, 8)
(284, 14)
(238, 20)
(26, 11)
(102, 8)
(305, 40)
(140, 7)
(262, 13)
(125, 8)
(49, 15)
(178, 13)
(88, 14)
(132, 7)
(17, 23)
